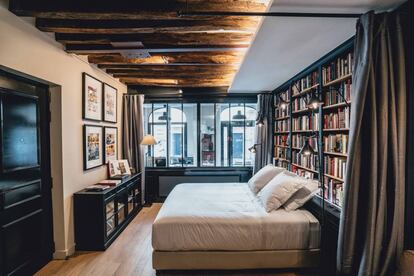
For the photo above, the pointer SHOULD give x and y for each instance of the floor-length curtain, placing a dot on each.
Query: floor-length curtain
(264, 135)
(133, 132)
(372, 219)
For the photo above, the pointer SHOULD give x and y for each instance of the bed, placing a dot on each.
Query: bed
(224, 226)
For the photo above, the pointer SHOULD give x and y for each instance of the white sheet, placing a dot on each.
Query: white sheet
(228, 216)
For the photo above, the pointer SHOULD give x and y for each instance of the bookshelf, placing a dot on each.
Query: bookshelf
(329, 78)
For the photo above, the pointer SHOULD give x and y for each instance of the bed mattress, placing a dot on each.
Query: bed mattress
(229, 217)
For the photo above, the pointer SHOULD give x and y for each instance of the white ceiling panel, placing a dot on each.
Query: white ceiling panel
(284, 46)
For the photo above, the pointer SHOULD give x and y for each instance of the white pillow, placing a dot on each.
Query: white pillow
(263, 176)
(304, 194)
(280, 189)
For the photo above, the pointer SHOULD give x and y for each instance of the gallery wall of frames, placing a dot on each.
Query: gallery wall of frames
(99, 104)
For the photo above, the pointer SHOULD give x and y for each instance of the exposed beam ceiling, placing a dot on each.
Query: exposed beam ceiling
(146, 43)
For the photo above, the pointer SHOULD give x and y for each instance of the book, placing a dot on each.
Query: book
(97, 188)
(109, 182)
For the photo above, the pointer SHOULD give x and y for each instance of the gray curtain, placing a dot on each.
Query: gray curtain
(372, 219)
(133, 132)
(264, 135)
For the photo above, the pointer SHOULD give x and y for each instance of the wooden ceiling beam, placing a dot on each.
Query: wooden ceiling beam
(143, 26)
(202, 38)
(126, 9)
(162, 68)
(219, 57)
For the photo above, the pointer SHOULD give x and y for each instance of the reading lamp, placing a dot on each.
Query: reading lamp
(252, 149)
(148, 140)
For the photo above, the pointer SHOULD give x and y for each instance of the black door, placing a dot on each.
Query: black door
(26, 241)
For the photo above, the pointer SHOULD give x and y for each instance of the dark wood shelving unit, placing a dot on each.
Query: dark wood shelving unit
(101, 216)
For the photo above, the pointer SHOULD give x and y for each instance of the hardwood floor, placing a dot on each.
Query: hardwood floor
(130, 254)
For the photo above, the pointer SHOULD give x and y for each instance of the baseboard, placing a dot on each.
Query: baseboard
(64, 254)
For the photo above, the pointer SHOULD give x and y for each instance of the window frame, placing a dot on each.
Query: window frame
(231, 103)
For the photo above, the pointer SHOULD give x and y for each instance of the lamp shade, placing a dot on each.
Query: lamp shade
(148, 140)
(307, 149)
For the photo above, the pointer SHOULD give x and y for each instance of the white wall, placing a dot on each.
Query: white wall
(26, 49)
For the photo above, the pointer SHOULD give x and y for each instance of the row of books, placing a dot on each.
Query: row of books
(283, 125)
(334, 191)
(310, 162)
(298, 141)
(332, 96)
(304, 83)
(335, 166)
(336, 143)
(280, 152)
(300, 103)
(338, 68)
(283, 95)
(281, 140)
(281, 163)
(337, 119)
(281, 113)
(306, 122)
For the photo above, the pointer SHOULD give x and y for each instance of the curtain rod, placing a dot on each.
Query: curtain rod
(270, 14)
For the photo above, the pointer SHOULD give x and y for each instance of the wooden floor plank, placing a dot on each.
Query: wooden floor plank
(131, 254)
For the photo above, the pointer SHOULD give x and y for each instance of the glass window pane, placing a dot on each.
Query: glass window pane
(190, 135)
(237, 135)
(176, 119)
(207, 142)
(222, 134)
(250, 138)
(158, 121)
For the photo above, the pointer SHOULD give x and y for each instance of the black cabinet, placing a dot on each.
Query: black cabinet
(101, 216)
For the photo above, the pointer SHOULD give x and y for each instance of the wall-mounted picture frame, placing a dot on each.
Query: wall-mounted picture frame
(93, 155)
(91, 98)
(110, 98)
(110, 144)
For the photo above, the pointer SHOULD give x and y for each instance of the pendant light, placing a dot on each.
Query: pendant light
(314, 102)
(307, 149)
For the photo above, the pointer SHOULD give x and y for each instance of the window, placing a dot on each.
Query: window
(205, 134)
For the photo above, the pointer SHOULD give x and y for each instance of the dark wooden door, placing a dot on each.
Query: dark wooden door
(26, 236)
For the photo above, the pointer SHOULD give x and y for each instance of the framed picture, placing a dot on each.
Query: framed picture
(92, 146)
(110, 143)
(109, 103)
(91, 98)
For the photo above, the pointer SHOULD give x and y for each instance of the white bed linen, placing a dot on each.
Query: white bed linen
(228, 216)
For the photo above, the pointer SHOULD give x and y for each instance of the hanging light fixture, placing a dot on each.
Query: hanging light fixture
(253, 149)
(307, 149)
(239, 116)
(314, 102)
(164, 116)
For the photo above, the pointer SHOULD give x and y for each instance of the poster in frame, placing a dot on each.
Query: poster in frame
(109, 103)
(92, 146)
(110, 143)
(91, 98)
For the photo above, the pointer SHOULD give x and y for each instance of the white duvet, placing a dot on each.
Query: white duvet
(228, 216)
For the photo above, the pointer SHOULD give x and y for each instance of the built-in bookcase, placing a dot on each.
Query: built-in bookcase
(294, 122)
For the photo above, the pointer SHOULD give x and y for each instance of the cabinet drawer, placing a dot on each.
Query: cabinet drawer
(21, 194)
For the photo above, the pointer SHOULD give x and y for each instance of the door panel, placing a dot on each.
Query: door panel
(26, 234)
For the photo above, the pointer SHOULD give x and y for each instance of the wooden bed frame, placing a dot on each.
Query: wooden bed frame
(223, 260)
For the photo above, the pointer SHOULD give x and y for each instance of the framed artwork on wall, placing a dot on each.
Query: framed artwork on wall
(109, 103)
(91, 98)
(92, 146)
(110, 143)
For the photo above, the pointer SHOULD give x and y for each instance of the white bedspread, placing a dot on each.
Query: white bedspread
(228, 216)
